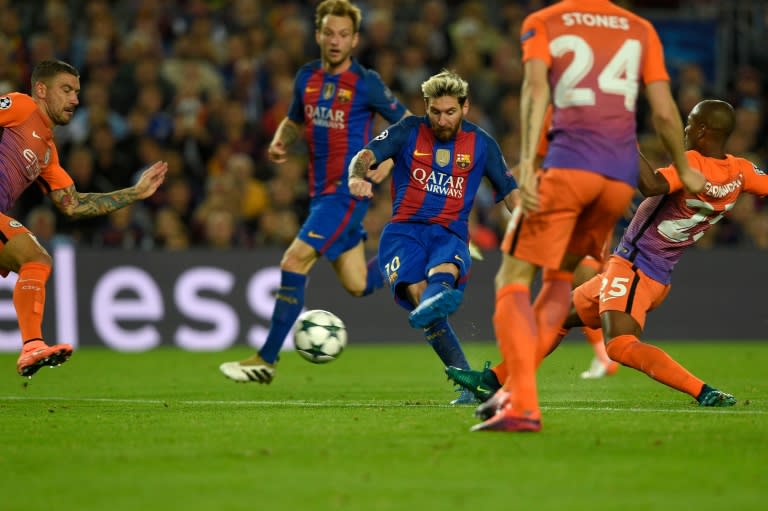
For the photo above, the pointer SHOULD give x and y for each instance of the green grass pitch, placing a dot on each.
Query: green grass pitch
(165, 430)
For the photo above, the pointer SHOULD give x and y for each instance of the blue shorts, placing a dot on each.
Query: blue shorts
(407, 251)
(334, 225)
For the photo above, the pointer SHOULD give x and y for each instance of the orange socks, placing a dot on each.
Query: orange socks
(500, 370)
(654, 362)
(29, 301)
(595, 338)
(542, 332)
(543, 352)
(551, 308)
(517, 336)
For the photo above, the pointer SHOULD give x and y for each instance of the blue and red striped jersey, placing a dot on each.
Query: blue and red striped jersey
(337, 112)
(434, 181)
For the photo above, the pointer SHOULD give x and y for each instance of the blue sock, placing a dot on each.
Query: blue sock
(443, 340)
(436, 283)
(374, 278)
(288, 304)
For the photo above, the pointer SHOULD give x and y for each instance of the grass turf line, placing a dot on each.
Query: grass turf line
(164, 430)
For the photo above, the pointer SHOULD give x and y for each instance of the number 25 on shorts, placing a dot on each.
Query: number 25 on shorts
(616, 289)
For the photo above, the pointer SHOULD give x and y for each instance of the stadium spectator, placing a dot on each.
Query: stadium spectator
(277, 228)
(170, 231)
(255, 58)
(432, 19)
(379, 33)
(221, 195)
(128, 228)
(112, 161)
(94, 111)
(253, 197)
(41, 222)
(220, 230)
(133, 77)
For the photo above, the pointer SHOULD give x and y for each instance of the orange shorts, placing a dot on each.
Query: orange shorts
(578, 210)
(8, 229)
(621, 287)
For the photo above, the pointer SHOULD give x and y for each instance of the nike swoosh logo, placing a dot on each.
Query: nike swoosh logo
(313, 234)
(608, 298)
(458, 258)
(34, 134)
(311, 89)
(419, 153)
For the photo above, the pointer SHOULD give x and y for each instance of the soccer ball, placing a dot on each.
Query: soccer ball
(319, 336)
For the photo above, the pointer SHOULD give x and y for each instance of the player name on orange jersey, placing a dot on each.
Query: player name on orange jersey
(720, 191)
(595, 20)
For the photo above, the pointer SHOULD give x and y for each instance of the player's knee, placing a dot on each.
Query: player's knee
(38, 256)
(514, 271)
(355, 289)
(618, 347)
(355, 282)
(573, 319)
(294, 263)
(570, 262)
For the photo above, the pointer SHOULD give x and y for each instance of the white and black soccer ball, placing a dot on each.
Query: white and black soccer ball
(319, 336)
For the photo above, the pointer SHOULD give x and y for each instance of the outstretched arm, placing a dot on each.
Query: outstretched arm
(86, 205)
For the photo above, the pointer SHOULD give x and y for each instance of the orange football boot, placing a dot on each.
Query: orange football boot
(33, 359)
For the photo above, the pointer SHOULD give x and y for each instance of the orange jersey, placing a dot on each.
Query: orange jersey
(665, 225)
(597, 54)
(27, 150)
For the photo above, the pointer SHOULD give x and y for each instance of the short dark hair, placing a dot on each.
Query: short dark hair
(47, 69)
(338, 8)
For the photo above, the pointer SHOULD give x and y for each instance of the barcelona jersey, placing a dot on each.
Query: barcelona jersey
(665, 225)
(436, 182)
(27, 151)
(337, 112)
(597, 54)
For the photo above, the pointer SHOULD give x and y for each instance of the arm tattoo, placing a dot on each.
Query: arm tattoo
(361, 163)
(289, 134)
(87, 205)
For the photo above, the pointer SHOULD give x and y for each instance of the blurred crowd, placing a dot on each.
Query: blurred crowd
(204, 84)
